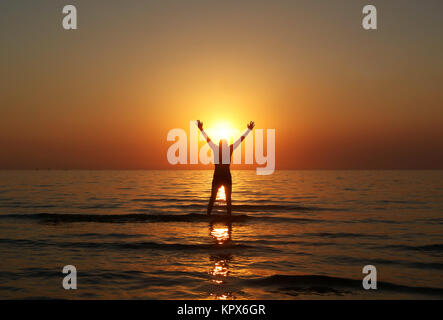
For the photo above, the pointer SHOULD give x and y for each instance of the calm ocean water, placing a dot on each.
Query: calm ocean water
(294, 235)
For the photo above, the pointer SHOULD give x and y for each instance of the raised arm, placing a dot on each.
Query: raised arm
(212, 145)
(243, 136)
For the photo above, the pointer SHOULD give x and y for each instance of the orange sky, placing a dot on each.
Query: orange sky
(106, 95)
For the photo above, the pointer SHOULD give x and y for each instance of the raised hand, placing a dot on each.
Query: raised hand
(251, 125)
(200, 124)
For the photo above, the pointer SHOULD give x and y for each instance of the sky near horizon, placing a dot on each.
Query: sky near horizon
(105, 96)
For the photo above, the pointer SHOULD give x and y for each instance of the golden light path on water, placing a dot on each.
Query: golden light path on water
(221, 234)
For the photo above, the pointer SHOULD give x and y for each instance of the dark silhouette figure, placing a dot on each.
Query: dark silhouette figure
(222, 160)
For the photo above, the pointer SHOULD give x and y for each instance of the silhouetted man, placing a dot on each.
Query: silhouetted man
(222, 160)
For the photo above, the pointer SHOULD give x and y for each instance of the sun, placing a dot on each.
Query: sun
(223, 133)
(222, 130)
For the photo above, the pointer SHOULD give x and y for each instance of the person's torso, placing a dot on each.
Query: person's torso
(223, 156)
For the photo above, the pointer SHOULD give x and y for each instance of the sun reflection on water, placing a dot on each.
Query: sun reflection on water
(221, 234)
(221, 195)
(219, 271)
(227, 296)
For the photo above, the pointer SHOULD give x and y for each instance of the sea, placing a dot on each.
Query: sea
(292, 235)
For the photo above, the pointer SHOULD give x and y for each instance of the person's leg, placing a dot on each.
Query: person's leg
(212, 198)
(228, 191)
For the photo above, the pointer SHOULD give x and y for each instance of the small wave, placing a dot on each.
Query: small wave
(401, 202)
(101, 206)
(26, 205)
(88, 276)
(178, 204)
(288, 242)
(262, 207)
(157, 200)
(139, 217)
(325, 284)
(143, 245)
(122, 218)
(431, 220)
(101, 235)
(139, 245)
(371, 220)
(438, 247)
(345, 235)
(346, 260)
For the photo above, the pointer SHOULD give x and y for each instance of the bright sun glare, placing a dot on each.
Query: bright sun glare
(222, 131)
